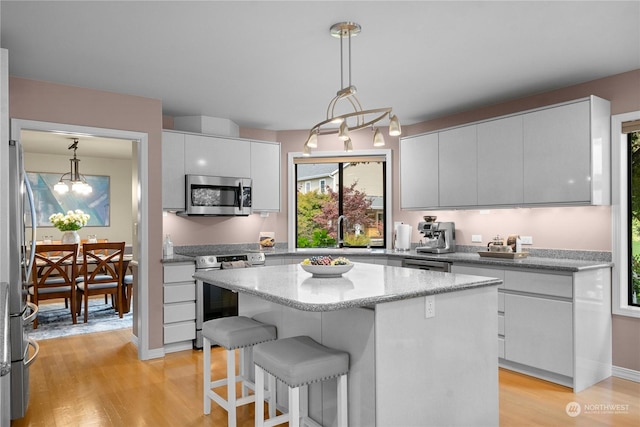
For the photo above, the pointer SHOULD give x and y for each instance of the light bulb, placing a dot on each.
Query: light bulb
(61, 187)
(394, 126)
(343, 133)
(378, 139)
(312, 141)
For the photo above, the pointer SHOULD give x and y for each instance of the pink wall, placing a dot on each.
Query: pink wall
(50, 102)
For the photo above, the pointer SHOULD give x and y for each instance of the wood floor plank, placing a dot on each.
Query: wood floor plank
(97, 380)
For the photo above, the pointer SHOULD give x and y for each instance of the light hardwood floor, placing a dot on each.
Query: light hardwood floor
(97, 380)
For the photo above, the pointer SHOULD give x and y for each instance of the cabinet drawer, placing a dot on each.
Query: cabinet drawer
(501, 348)
(539, 283)
(479, 271)
(501, 324)
(184, 331)
(179, 312)
(500, 302)
(179, 292)
(178, 272)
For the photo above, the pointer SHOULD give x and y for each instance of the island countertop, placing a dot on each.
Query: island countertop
(364, 285)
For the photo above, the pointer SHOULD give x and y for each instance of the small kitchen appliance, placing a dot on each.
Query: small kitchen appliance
(213, 302)
(439, 237)
(217, 196)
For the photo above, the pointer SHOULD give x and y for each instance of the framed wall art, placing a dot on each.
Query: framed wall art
(48, 201)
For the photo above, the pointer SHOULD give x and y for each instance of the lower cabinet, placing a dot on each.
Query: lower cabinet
(179, 306)
(539, 333)
(553, 325)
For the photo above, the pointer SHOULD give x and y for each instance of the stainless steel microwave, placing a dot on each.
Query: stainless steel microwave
(217, 196)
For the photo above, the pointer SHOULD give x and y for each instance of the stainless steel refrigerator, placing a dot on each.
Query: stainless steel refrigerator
(22, 312)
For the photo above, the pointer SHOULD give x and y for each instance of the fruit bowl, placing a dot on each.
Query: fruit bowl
(326, 266)
(326, 270)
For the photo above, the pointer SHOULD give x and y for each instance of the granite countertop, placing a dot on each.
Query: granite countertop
(5, 353)
(363, 286)
(531, 262)
(546, 259)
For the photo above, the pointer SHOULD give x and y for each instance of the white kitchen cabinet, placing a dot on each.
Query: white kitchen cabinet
(419, 172)
(173, 170)
(217, 156)
(553, 325)
(265, 176)
(539, 333)
(556, 155)
(500, 148)
(567, 153)
(179, 306)
(458, 167)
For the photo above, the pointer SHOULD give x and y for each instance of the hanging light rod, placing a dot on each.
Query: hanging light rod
(359, 118)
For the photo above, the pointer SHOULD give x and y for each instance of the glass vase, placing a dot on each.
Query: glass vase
(71, 237)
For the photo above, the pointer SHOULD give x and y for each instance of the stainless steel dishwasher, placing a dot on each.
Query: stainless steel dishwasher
(424, 264)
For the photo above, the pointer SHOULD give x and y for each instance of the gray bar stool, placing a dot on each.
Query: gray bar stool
(232, 333)
(297, 362)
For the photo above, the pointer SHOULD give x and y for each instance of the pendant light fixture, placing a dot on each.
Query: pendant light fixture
(358, 118)
(73, 178)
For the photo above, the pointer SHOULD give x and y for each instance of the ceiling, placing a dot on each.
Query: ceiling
(273, 65)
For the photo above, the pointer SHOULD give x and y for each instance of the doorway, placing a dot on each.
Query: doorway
(139, 204)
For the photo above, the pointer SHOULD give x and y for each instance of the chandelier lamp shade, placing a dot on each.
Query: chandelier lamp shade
(356, 118)
(73, 179)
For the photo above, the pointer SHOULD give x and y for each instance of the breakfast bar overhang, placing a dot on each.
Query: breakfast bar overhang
(407, 367)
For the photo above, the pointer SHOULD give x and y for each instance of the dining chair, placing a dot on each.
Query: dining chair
(102, 273)
(54, 276)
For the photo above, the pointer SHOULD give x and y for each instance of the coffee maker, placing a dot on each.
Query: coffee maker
(439, 237)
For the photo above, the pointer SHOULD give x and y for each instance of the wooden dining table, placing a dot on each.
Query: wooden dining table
(126, 259)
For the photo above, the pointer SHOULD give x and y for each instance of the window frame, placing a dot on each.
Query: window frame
(619, 217)
(292, 186)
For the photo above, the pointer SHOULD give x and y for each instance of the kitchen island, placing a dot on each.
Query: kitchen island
(421, 343)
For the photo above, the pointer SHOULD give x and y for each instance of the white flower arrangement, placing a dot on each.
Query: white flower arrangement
(73, 220)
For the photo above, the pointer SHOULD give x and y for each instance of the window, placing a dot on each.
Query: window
(624, 228)
(352, 186)
(633, 235)
(307, 187)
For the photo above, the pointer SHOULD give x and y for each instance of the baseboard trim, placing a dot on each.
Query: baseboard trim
(627, 374)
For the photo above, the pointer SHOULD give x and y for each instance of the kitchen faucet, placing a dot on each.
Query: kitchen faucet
(339, 232)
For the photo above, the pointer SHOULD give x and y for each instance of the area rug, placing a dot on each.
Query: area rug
(54, 320)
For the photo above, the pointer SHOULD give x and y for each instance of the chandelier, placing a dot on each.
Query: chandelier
(73, 178)
(357, 118)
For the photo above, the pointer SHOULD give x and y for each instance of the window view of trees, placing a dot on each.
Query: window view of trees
(328, 190)
(634, 215)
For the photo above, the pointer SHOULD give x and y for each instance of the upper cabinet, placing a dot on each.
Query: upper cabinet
(551, 156)
(567, 154)
(458, 162)
(419, 171)
(173, 171)
(265, 176)
(196, 154)
(217, 156)
(500, 162)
